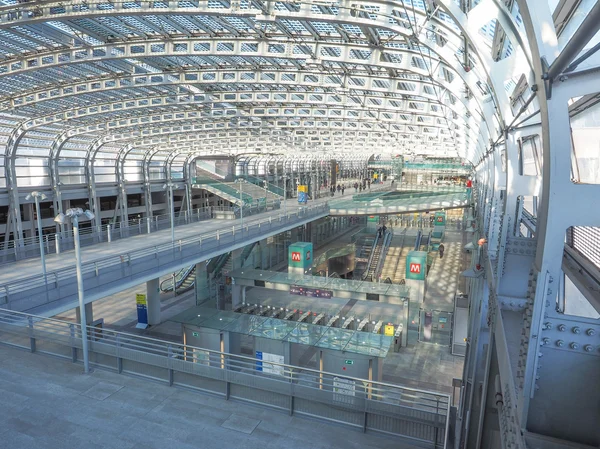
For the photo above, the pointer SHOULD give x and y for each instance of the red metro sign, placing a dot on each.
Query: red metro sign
(296, 256)
(415, 268)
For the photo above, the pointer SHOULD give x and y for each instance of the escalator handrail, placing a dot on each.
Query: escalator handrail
(180, 278)
(418, 240)
(387, 240)
(372, 253)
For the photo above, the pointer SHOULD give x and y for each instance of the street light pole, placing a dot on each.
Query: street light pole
(241, 181)
(36, 197)
(169, 185)
(285, 178)
(74, 214)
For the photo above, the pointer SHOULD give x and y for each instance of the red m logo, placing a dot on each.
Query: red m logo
(296, 256)
(415, 268)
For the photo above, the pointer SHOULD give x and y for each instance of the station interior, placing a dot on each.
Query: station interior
(300, 224)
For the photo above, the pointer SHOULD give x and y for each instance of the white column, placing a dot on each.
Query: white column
(153, 301)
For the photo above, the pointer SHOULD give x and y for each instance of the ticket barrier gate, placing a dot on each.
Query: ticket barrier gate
(398, 339)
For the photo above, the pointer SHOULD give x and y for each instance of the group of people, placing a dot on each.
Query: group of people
(381, 230)
(339, 188)
(359, 187)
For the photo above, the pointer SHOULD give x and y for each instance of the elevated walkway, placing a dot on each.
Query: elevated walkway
(408, 199)
(108, 269)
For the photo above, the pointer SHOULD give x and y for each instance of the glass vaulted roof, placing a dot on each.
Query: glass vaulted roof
(433, 78)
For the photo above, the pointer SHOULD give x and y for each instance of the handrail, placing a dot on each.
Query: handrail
(373, 247)
(382, 255)
(66, 235)
(154, 342)
(180, 278)
(93, 266)
(262, 183)
(210, 169)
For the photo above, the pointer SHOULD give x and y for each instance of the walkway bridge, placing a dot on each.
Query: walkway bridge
(405, 200)
(111, 267)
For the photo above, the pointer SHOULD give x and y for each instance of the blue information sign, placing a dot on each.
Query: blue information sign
(259, 363)
(142, 311)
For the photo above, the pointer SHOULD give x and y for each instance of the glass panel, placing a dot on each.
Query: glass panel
(305, 333)
(335, 338)
(585, 131)
(370, 344)
(576, 303)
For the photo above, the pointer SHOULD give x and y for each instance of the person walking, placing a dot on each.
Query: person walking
(343, 188)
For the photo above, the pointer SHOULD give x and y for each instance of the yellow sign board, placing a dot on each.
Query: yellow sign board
(140, 299)
(389, 330)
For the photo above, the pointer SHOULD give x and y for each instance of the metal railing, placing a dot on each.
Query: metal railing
(90, 235)
(263, 183)
(417, 415)
(233, 193)
(102, 275)
(212, 169)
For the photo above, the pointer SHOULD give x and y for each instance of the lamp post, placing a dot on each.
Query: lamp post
(37, 196)
(169, 185)
(285, 178)
(61, 218)
(241, 182)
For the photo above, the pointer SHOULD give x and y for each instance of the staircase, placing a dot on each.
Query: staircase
(227, 191)
(257, 192)
(395, 253)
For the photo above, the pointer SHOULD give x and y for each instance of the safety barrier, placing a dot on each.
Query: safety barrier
(111, 273)
(90, 235)
(416, 415)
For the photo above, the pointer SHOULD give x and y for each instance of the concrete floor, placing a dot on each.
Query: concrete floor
(425, 366)
(443, 277)
(48, 403)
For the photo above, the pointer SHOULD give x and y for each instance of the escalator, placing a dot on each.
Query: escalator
(184, 280)
(374, 258)
(186, 277)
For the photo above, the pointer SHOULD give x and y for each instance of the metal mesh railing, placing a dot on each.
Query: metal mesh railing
(586, 240)
(417, 415)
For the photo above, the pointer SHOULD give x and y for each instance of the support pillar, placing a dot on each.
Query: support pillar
(89, 314)
(153, 300)
(238, 295)
(201, 284)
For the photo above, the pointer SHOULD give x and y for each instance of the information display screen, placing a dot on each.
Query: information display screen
(311, 292)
